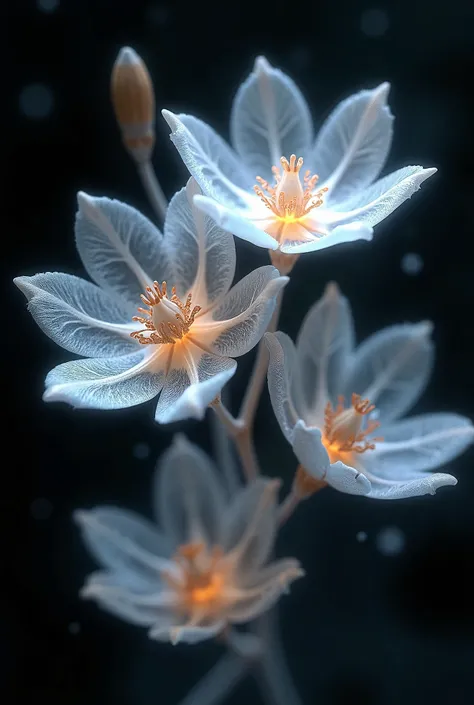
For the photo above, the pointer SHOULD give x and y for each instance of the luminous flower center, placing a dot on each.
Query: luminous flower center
(290, 199)
(166, 320)
(202, 583)
(343, 428)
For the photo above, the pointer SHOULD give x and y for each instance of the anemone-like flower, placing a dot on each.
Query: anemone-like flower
(260, 192)
(207, 566)
(340, 406)
(188, 325)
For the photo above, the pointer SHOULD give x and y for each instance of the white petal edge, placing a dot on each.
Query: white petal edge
(350, 232)
(281, 370)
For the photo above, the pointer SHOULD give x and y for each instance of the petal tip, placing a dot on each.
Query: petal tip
(170, 118)
(261, 65)
(127, 57)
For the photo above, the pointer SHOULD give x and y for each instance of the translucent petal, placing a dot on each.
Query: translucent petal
(189, 499)
(244, 313)
(186, 633)
(324, 345)
(124, 543)
(120, 248)
(270, 119)
(119, 605)
(209, 159)
(238, 221)
(188, 392)
(107, 383)
(353, 144)
(423, 484)
(282, 378)
(391, 369)
(420, 443)
(78, 315)
(379, 200)
(249, 527)
(200, 255)
(350, 232)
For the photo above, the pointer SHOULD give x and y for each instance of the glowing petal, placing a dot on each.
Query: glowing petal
(337, 236)
(282, 377)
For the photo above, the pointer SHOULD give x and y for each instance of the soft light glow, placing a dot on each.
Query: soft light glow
(344, 434)
(166, 320)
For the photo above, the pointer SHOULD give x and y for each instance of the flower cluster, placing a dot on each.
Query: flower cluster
(164, 318)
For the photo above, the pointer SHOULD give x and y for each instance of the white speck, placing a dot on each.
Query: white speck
(412, 263)
(36, 101)
(374, 22)
(361, 536)
(41, 508)
(47, 5)
(141, 451)
(390, 541)
(74, 628)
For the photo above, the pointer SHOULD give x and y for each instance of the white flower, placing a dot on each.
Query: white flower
(189, 325)
(204, 569)
(271, 124)
(340, 406)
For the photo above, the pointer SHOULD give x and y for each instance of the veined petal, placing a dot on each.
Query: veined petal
(270, 119)
(209, 159)
(188, 497)
(401, 489)
(392, 368)
(124, 543)
(78, 315)
(200, 255)
(353, 143)
(192, 384)
(120, 248)
(379, 200)
(107, 383)
(420, 443)
(324, 345)
(283, 372)
(350, 232)
(121, 604)
(242, 317)
(241, 222)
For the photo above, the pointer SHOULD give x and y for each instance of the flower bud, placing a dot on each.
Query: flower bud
(134, 104)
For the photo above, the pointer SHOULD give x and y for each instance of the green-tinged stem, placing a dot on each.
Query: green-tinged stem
(241, 438)
(219, 682)
(153, 189)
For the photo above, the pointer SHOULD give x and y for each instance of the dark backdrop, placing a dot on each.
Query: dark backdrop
(364, 627)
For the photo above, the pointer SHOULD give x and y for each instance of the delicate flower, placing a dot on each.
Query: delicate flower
(187, 329)
(340, 407)
(262, 193)
(205, 569)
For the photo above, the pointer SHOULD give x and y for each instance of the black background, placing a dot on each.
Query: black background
(363, 627)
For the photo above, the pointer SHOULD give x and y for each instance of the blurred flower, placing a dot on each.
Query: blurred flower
(271, 125)
(205, 569)
(188, 327)
(340, 407)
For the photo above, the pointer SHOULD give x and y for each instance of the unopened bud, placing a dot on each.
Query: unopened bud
(134, 104)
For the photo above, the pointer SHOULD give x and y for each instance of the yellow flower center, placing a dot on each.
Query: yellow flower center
(290, 200)
(343, 434)
(166, 320)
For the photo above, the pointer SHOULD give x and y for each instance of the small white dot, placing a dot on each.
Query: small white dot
(47, 5)
(141, 451)
(36, 101)
(390, 541)
(361, 536)
(374, 22)
(41, 508)
(74, 628)
(412, 263)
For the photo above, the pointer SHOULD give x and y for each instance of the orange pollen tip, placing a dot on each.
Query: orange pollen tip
(167, 325)
(343, 432)
(289, 199)
(202, 581)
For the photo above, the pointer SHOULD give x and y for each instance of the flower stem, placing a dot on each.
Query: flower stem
(287, 507)
(153, 189)
(219, 682)
(241, 437)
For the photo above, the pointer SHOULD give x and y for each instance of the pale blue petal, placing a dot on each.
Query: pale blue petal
(105, 383)
(424, 484)
(78, 315)
(343, 478)
(282, 378)
(378, 201)
(270, 119)
(120, 248)
(420, 443)
(187, 394)
(209, 159)
(349, 232)
(237, 221)
(324, 345)
(353, 143)
(184, 633)
(246, 310)
(200, 255)
(188, 496)
(391, 369)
